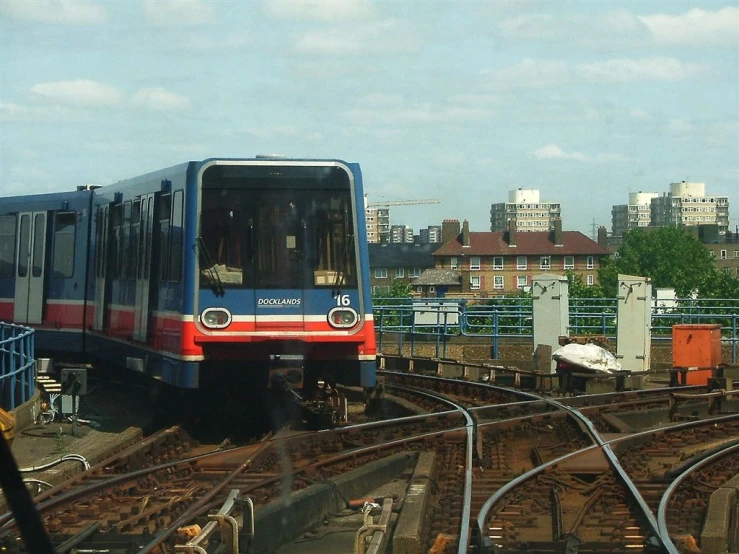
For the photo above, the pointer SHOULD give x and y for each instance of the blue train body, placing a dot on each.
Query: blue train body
(209, 264)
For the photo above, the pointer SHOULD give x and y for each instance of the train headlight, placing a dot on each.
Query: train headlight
(342, 318)
(215, 318)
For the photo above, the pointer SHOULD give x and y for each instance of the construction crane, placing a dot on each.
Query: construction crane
(388, 203)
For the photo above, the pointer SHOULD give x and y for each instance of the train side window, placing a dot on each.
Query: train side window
(98, 239)
(135, 232)
(175, 247)
(165, 203)
(37, 262)
(147, 217)
(24, 241)
(116, 221)
(123, 271)
(65, 226)
(7, 245)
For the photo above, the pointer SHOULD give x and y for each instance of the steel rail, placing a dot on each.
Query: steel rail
(662, 510)
(95, 471)
(202, 509)
(471, 429)
(616, 464)
(511, 485)
(483, 386)
(112, 481)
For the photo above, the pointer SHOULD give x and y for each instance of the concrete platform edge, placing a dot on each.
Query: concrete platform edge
(717, 524)
(410, 528)
(287, 519)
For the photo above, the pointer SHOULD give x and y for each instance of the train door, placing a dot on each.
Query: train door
(101, 253)
(143, 270)
(31, 268)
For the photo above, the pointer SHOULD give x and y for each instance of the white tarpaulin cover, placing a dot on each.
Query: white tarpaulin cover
(589, 356)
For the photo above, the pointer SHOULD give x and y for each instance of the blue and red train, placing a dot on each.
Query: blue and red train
(206, 269)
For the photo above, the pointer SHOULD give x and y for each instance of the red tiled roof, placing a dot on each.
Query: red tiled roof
(531, 243)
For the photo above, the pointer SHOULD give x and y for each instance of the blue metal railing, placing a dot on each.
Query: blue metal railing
(17, 377)
(513, 318)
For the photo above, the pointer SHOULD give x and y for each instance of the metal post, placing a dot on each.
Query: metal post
(496, 338)
(13, 369)
(733, 338)
(32, 369)
(413, 334)
(400, 333)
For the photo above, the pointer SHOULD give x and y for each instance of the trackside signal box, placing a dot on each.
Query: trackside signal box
(696, 346)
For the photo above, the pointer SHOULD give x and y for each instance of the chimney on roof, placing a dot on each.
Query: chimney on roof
(602, 236)
(511, 233)
(449, 230)
(465, 233)
(557, 233)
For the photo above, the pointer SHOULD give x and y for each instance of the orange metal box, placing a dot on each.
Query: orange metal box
(696, 346)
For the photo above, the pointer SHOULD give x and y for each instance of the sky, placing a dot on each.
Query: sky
(456, 101)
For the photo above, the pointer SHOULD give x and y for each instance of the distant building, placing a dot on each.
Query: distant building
(528, 212)
(723, 248)
(400, 234)
(404, 262)
(687, 204)
(431, 234)
(500, 263)
(377, 221)
(637, 213)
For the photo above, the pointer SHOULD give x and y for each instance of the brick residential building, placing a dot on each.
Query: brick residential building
(501, 263)
(405, 262)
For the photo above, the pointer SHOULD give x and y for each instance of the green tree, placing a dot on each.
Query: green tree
(393, 307)
(399, 289)
(724, 285)
(670, 256)
(578, 289)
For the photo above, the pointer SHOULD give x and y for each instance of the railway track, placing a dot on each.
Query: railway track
(514, 472)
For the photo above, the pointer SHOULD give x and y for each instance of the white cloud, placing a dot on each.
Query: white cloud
(552, 151)
(696, 27)
(611, 27)
(645, 69)
(380, 99)
(52, 113)
(538, 74)
(528, 73)
(379, 133)
(78, 93)
(321, 10)
(279, 131)
(531, 26)
(420, 112)
(385, 36)
(170, 13)
(70, 12)
(680, 126)
(159, 99)
(10, 111)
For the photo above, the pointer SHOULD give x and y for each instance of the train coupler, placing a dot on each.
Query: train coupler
(328, 407)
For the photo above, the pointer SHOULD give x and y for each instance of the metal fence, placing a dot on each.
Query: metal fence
(17, 378)
(503, 318)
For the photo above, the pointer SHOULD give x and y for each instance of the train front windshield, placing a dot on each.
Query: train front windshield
(276, 227)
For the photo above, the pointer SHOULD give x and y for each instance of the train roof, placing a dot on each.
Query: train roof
(84, 190)
(45, 198)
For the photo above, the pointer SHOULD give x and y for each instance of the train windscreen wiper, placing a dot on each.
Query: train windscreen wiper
(209, 267)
